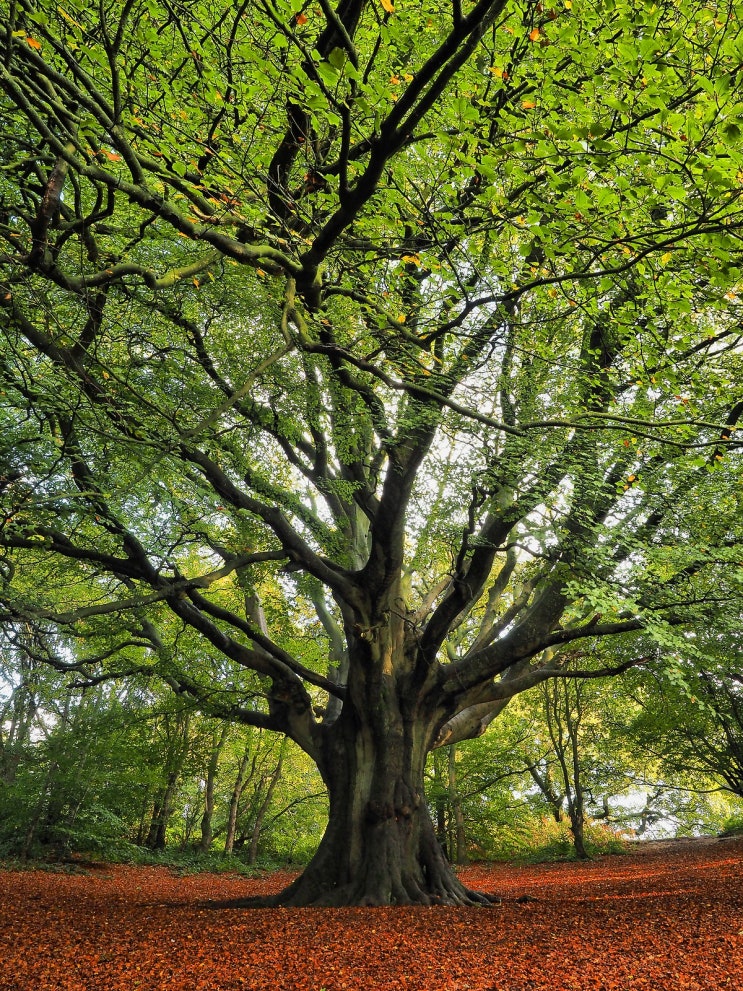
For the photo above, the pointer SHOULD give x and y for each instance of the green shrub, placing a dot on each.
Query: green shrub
(733, 825)
(543, 840)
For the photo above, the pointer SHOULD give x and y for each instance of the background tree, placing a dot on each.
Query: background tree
(690, 715)
(382, 353)
(579, 755)
(476, 790)
(105, 769)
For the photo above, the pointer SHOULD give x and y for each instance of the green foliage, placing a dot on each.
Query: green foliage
(733, 825)
(357, 366)
(93, 767)
(544, 840)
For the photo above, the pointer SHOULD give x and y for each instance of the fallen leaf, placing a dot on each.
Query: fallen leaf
(669, 914)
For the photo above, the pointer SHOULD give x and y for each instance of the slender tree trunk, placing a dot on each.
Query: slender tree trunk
(153, 831)
(459, 853)
(238, 788)
(263, 808)
(548, 790)
(140, 838)
(176, 730)
(161, 813)
(17, 733)
(207, 835)
(440, 804)
(39, 811)
(577, 800)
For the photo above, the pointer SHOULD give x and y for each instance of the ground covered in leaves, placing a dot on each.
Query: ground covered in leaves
(664, 917)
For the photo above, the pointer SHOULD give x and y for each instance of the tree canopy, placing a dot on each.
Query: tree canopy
(358, 360)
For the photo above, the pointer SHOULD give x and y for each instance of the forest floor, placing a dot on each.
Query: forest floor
(664, 916)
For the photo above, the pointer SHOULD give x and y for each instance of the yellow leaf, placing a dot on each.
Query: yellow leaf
(388, 6)
(412, 259)
(528, 104)
(664, 259)
(112, 156)
(70, 20)
(568, 4)
(534, 34)
(33, 43)
(402, 318)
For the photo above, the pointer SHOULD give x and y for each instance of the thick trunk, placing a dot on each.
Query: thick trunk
(380, 846)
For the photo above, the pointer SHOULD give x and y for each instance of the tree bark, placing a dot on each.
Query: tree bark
(459, 851)
(380, 846)
(264, 805)
(161, 813)
(237, 790)
(207, 834)
(549, 791)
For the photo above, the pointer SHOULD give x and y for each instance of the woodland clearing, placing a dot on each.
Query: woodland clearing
(662, 916)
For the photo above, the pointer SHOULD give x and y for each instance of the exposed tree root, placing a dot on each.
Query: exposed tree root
(309, 895)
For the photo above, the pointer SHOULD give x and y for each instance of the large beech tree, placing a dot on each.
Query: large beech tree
(385, 348)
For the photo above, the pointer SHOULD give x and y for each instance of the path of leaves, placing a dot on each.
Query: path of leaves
(664, 920)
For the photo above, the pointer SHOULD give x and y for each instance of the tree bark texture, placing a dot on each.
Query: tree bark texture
(380, 846)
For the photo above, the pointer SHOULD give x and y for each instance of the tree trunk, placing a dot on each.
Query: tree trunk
(161, 813)
(576, 801)
(207, 835)
(263, 808)
(380, 846)
(440, 803)
(547, 787)
(459, 846)
(577, 824)
(237, 789)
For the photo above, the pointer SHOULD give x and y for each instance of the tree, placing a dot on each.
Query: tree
(381, 352)
(75, 759)
(691, 716)
(582, 760)
(476, 790)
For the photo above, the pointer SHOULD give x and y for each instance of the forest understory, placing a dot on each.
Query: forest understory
(662, 916)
